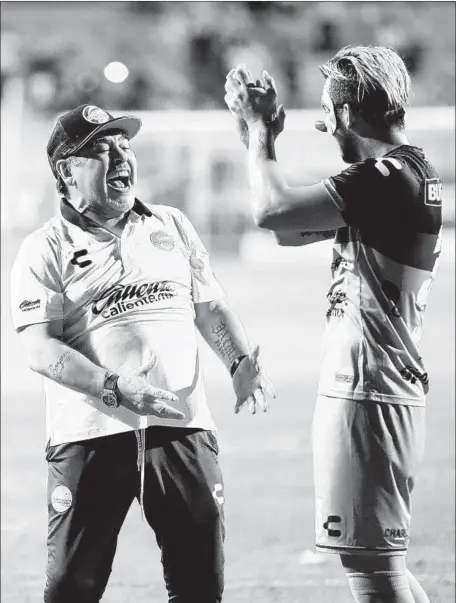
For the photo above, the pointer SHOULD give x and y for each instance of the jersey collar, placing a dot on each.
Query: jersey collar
(74, 217)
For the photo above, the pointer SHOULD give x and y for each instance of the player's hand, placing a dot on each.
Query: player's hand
(251, 100)
(251, 385)
(139, 396)
(277, 125)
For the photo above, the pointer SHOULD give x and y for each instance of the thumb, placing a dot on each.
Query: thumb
(254, 356)
(281, 113)
(145, 368)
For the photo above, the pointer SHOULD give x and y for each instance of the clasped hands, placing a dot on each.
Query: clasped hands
(253, 101)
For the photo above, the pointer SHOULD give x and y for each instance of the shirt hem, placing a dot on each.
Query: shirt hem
(374, 397)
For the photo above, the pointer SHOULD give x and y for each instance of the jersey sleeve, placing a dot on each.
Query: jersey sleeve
(205, 286)
(35, 284)
(374, 192)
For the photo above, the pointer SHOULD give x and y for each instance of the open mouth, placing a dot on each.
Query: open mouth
(119, 181)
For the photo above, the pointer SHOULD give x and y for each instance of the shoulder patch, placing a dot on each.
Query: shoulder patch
(383, 169)
(433, 192)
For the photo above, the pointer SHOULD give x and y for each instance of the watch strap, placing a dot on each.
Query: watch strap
(111, 382)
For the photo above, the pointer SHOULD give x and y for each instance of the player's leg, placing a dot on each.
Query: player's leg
(378, 579)
(365, 458)
(183, 502)
(91, 485)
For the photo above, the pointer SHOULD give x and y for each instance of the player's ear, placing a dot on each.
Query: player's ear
(347, 116)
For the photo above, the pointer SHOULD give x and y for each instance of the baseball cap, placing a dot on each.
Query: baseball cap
(75, 128)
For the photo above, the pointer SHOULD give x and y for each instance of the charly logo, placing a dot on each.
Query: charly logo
(122, 298)
(396, 534)
(61, 499)
(95, 115)
(162, 240)
(218, 489)
(329, 526)
(77, 255)
(27, 305)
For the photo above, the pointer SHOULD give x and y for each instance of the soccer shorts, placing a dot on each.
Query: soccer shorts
(365, 459)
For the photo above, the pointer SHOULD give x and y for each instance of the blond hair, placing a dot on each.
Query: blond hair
(374, 78)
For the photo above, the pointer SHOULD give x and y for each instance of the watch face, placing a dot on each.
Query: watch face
(109, 399)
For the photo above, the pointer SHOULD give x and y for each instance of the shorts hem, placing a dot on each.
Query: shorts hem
(357, 550)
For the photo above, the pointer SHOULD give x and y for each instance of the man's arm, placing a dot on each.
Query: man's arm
(48, 355)
(223, 331)
(277, 206)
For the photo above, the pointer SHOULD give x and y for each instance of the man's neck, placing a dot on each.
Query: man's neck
(381, 145)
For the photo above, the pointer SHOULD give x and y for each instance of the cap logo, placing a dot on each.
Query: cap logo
(95, 115)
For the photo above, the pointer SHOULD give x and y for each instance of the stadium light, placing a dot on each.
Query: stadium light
(116, 72)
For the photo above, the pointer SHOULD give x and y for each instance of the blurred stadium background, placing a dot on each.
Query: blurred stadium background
(167, 61)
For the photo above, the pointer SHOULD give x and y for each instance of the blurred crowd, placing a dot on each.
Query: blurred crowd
(178, 53)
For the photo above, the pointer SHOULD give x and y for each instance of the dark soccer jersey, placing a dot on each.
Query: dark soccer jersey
(383, 267)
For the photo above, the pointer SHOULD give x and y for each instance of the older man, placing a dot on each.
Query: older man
(106, 297)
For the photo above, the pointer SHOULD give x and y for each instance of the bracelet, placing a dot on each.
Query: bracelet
(236, 363)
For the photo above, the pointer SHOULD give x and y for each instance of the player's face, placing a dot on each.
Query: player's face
(336, 125)
(105, 175)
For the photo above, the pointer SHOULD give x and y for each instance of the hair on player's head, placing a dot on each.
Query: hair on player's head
(374, 79)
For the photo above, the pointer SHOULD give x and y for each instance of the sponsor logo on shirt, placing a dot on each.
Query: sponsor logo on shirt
(337, 299)
(27, 305)
(396, 533)
(433, 192)
(344, 378)
(412, 374)
(122, 298)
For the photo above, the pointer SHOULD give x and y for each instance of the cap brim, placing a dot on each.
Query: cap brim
(128, 124)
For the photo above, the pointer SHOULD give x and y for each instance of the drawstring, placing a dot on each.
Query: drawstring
(141, 442)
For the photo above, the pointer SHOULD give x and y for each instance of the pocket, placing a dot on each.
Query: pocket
(211, 440)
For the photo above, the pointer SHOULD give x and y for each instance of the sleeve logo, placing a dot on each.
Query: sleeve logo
(27, 305)
(433, 192)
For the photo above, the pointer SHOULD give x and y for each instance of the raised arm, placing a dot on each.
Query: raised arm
(276, 206)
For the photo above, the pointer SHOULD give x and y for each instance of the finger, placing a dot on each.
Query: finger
(145, 368)
(260, 399)
(238, 406)
(268, 387)
(163, 394)
(230, 72)
(281, 113)
(251, 405)
(269, 80)
(259, 83)
(242, 76)
(164, 411)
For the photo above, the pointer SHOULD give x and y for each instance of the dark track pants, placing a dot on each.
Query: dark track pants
(91, 485)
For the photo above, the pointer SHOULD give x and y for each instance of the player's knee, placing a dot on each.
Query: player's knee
(66, 587)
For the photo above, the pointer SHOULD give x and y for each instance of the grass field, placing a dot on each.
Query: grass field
(266, 458)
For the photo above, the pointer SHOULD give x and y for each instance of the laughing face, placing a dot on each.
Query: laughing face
(104, 173)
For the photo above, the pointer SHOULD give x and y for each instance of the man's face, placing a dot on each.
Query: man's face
(335, 125)
(105, 174)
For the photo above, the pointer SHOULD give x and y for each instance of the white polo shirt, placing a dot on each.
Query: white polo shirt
(123, 301)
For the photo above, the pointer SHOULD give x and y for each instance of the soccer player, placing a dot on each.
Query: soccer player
(386, 211)
(106, 297)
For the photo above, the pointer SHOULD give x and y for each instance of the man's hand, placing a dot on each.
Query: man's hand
(139, 396)
(251, 384)
(249, 101)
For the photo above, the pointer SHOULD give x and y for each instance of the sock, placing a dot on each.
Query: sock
(417, 590)
(380, 587)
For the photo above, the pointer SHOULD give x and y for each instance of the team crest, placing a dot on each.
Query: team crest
(162, 240)
(61, 499)
(95, 115)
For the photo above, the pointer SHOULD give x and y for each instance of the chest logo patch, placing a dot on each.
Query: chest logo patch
(76, 259)
(162, 240)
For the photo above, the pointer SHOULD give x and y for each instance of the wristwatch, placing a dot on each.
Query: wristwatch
(110, 394)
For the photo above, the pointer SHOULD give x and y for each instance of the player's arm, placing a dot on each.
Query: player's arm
(48, 355)
(277, 206)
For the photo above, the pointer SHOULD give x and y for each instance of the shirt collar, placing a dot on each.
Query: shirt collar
(78, 219)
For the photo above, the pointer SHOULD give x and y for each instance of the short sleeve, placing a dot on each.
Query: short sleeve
(205, 286)
(35, 283)
(373, 192)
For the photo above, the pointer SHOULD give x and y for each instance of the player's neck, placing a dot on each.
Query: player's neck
(382, 144)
